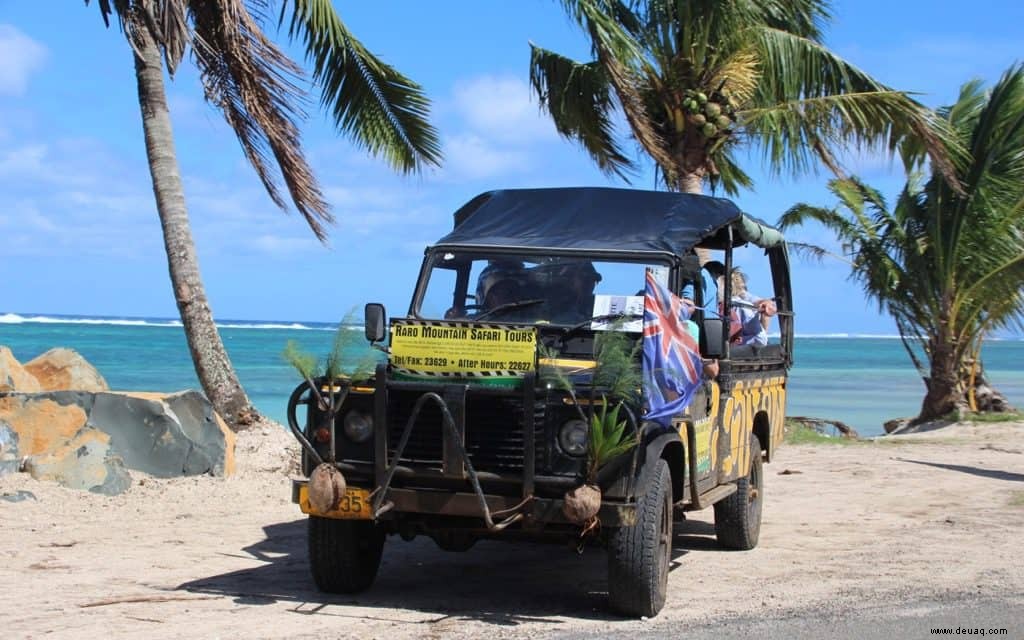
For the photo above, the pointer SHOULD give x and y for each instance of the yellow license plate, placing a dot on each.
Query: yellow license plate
(355, 505)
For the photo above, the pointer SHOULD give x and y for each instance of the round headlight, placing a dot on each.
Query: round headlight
(358, 426)
(572, 437)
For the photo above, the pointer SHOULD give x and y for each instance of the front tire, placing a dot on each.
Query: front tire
(738, 517)
(344, 555)
(638, 555)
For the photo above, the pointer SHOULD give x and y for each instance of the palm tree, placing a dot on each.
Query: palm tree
(256, 86)
(948, 267)
(697, 80)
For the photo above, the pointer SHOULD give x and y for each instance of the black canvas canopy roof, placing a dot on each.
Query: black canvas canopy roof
(604, 219)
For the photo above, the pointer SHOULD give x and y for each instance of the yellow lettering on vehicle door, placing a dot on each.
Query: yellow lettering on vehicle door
(748, 399)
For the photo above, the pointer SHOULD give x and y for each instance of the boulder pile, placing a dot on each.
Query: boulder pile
(60, 422)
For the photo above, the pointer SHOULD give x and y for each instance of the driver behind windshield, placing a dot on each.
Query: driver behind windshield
(572, 291)
(501, 283)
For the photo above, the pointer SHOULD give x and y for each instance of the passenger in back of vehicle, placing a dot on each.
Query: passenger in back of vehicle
(749, 315)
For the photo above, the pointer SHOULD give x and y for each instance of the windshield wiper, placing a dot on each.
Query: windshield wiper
(603, 318)
(509, 305)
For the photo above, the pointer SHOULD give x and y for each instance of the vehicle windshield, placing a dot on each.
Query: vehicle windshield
(559, 290)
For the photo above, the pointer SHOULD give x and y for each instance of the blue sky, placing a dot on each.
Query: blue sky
(79, 232)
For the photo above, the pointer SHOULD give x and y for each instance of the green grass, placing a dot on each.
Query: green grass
(1017, 499)
(797, 433)
(1010, 416)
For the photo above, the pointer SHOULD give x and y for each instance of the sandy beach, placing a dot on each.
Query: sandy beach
(845, 527)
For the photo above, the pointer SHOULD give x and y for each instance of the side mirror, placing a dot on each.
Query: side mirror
(374, 322)
(711, 338)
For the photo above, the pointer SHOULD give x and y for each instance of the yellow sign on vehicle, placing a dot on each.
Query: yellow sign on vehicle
(354, 505)
(463, 349)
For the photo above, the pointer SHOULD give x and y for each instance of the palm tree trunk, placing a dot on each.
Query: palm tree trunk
(694, 183)
(691, 183)
(216, 375)
(944, 392)
(987, 397)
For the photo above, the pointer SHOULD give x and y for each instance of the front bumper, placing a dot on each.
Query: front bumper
(410, 503)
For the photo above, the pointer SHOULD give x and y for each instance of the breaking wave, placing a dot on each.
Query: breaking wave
(14, 318)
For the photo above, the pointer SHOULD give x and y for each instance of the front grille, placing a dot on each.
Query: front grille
(494, 432)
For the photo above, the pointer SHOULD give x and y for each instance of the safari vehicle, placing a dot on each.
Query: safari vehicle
(458, 436)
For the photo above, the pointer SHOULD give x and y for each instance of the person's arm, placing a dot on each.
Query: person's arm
(754, 332)
(766, 309)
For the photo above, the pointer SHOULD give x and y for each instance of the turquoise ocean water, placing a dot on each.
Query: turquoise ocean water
(862, 381)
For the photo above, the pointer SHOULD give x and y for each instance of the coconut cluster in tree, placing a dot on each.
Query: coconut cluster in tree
(712, 115)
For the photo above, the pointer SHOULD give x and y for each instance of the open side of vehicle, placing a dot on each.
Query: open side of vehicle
(459, 435)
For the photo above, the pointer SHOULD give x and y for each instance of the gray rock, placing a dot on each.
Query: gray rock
(169, 437)
(18, 496)
(896, 424)
(85, 462)
(88, 440)
(10, 461)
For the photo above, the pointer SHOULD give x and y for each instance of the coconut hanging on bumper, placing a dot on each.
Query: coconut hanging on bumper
(326, 487)
(582, 503)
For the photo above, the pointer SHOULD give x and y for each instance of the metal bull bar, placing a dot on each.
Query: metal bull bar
(453, 445)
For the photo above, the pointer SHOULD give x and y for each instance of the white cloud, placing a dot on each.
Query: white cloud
(500, 108)
(471, 156)
(20, 57)
(23, 160)
(345, 198)
(277, 245)
(870, 162)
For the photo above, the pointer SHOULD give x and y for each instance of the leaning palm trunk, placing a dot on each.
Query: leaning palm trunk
(944, 393)
(216, 375)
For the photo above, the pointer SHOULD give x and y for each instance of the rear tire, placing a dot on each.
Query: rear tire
(344, 555)
(639, 555)
(738, 517)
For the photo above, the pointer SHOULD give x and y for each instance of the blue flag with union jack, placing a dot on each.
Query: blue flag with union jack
(672, 368)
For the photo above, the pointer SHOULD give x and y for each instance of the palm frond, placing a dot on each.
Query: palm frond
(776, 84)
(739, 74)
(793, 134)
(728, 174)
(350, 355)
(622, 59)
(254, 84)
(947, 263)
(304, 363)
(801, 77)
(814, 252)
(380, 109)
(608, 438)
(165, 21)
(578, 98)
(617, 369)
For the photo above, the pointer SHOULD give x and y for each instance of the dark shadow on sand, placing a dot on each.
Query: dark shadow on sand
(974, 471)
(501, 583)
